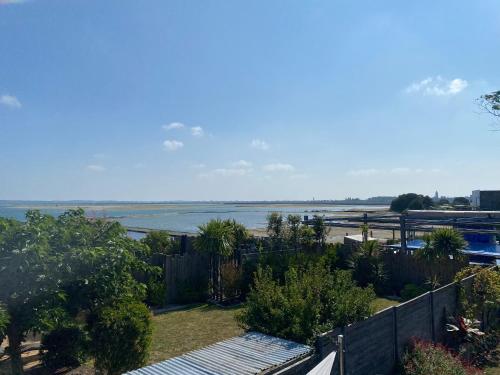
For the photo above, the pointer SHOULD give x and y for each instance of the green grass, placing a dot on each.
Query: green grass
(383, 303)
(492, 371)
(178, 332)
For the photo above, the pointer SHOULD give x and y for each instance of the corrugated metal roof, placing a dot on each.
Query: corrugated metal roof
(251, 353)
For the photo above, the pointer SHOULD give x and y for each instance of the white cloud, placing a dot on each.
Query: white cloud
(364, 172)
(173, 125)
(278, 167)
(197, 131)
(259, 144)
(9, 100)
(399, 171)
(299, 176)
(198, 165)
(242, 164)
(172, 145)
(231, 171)
(7, 2)
(95, 168)
(404, 170)
(437, 86)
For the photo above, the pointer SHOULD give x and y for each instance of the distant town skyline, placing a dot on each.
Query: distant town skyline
(179, 100)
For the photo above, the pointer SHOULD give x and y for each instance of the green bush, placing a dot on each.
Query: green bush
(425, 358)
(411, 291)
(121, 337)
(309, 301)
(161, 242)
(64, 347)
(156, 292)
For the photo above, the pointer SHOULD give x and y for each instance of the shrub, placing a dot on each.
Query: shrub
(307, 302)
(156, 292)
(64, 347)
(425, 358)
(411, 291)
(231, 277)
(121, 337)
(160, 242)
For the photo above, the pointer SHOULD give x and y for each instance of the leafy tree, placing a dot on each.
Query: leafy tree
(307, 237)
(461, 201)
(491, 103)
(293, 230)
(4, 321)
(64, 347)
(320, 230)
(411, 201)
(275, 229)
(159, 242)
(54, 269)
(121, 337)
(306, 303)
(447, 242)
(368, 266)
(443, 201)
(240, 232)
(28, 278)
(215, 237)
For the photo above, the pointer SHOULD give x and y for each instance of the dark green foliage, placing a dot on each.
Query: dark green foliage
(461, 201)
(216, 237)
(491, 103)
(156, 292)
(320, 230)
(293, 231)
(411, 291)
(121, 337)
(64, 347)
(276, 229)
(4, 321)
(307, 302)
(443, 201)
(442, 243)
(411, 201)
(425, 358)
(161, 242)
(368, 266)
(56, 268)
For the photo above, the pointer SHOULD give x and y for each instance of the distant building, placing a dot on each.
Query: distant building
(488, 200)
(436, 197)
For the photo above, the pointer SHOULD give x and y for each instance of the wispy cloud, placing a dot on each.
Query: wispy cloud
(9, 100)
(437, 86)
(197, 131)
(363, 172)
(95, 168)
(198, 165)
(278, 167)
(242, 164)
(259, 144)
(172, 145)
(399, 171)
(226, 172)
(173, 125)
(7, 2)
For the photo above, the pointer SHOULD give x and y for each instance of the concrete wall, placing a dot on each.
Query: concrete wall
(489, 200)
(375, 345)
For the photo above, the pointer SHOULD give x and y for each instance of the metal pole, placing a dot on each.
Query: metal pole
(341, 354)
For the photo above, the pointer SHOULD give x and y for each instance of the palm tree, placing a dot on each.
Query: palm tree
(217, 239)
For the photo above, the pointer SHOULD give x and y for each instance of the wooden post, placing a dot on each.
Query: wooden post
(402, 223)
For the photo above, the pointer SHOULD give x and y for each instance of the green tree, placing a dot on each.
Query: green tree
(461, 201)
(411, 201)
(54, 269)
(160, 242)
(239, 231)
(491, 103)
(4, 321)
(368, 267)
(293, 230)
(320, 230)
(121, 337)
(275, 229)
(215, 237)
(309, 301)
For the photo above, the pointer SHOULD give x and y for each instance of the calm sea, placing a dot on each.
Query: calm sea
(182, 217)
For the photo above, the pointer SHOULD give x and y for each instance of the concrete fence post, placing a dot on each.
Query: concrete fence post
(341, 354)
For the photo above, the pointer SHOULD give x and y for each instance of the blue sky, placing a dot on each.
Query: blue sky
(198, 100)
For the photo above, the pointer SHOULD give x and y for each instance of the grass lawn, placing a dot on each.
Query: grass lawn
(178, 332)
(492, 371)
(383, 303)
